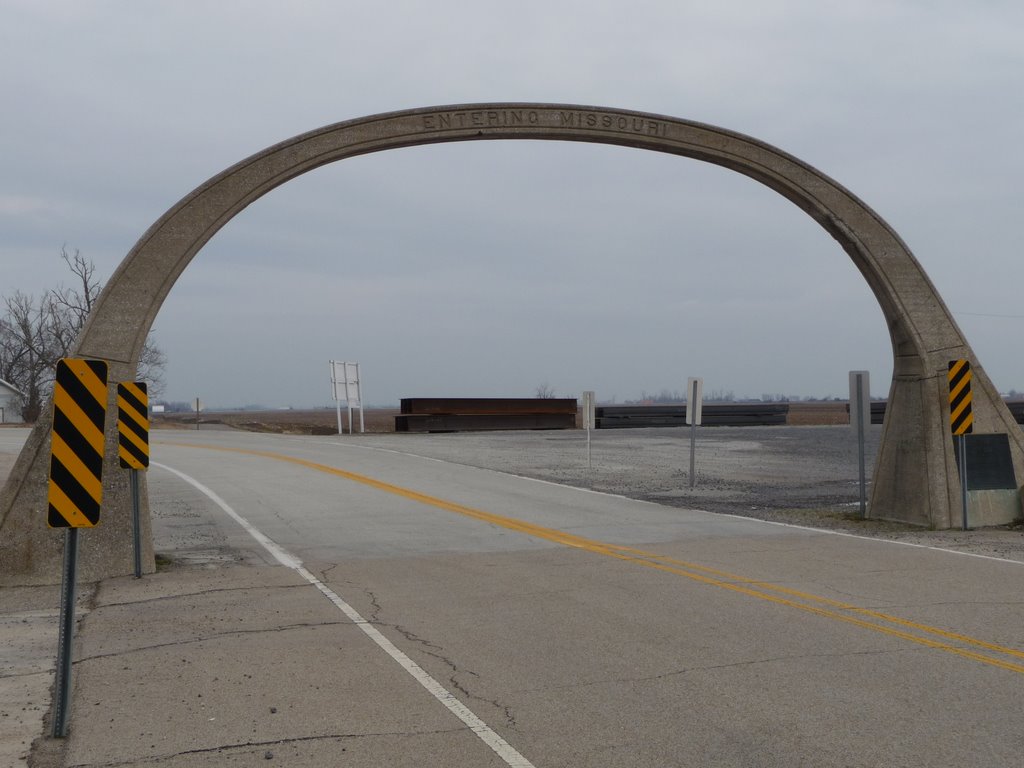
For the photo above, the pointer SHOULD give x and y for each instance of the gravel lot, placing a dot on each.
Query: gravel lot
(739, 470)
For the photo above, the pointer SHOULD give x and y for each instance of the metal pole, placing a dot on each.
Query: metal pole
(359, 394)
(693, 452)
(862, 417)
(341, 430)
(62, 685)
(590, 464)
(136, 532)
(963, 478)
(691, 403)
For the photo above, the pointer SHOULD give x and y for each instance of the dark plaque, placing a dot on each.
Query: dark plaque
(989, 466)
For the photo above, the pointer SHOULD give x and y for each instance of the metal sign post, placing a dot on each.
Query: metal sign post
(860, 419)
(359, 393)
(961, 441)
(346, 385)
(335, 392)
(75, 493)
(133, 475)
(65, 633)
(588, 420)
(694, 406)
(961, 420)
(133, 449)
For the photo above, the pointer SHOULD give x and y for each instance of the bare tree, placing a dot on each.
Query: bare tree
(27, 349)
(544, 392)
(36, 332)
(152, 363)
(71, 306)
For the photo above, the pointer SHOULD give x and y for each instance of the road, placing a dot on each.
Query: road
(587, 629)
(344, 601)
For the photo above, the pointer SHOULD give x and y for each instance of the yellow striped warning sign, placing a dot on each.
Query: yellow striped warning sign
(133, 425)
(76, 461)
(961, 420)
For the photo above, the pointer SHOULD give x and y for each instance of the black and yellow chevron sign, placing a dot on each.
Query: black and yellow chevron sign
(76, 461)
(133, 425)
(961, 420)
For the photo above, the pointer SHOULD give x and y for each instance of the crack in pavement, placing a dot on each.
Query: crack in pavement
(455, 671)
(17, 675)
(712, 668)
(216, 636)
(375, 606)
(197, 594)
(271, 743)
(436, 651)
(427, 647)
(943, 604)
(869, 606)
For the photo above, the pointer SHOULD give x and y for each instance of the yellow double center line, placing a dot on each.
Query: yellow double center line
(865, 618)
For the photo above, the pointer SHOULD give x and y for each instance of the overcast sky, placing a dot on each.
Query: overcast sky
(490, 268)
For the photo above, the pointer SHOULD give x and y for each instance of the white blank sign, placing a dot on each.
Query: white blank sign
(694, 400)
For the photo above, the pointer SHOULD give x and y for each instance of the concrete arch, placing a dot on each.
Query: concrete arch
(915, 478)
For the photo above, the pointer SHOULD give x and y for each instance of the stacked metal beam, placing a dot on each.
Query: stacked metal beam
(447, 414)
(714, 415)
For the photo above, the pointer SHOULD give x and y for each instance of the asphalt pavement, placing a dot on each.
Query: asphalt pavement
(217, 658)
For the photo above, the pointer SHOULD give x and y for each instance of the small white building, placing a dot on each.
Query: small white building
(10, 410)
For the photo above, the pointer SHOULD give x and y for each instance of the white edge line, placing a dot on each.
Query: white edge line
(874, 538)
(796, 526)
(501, 747)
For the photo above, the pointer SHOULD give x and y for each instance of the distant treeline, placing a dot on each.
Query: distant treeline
(675, 397)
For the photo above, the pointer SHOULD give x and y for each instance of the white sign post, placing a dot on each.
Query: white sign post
(589, 405)
(347, 385)
(860, 420)
(694, 407)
